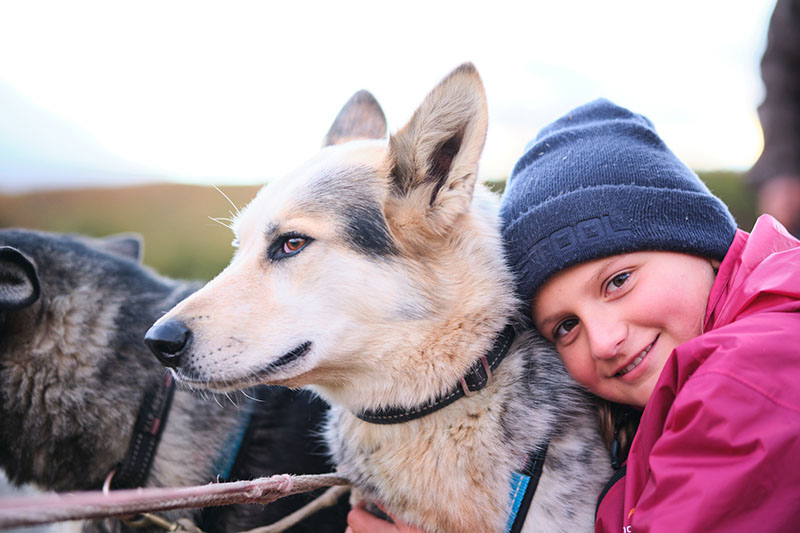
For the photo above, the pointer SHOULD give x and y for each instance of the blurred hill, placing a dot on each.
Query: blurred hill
(180, 239)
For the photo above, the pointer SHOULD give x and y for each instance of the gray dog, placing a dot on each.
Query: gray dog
(81, 396)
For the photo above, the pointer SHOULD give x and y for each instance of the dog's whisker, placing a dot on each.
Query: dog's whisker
(230, 399)
(244, 393)
(256, 379)
(225, 222)
(227, 198)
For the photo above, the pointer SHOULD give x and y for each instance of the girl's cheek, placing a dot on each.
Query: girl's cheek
(577, 366)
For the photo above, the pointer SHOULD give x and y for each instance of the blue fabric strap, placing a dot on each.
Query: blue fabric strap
(523, 487)
(519, 484)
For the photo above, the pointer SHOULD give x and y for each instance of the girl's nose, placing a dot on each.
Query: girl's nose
(606, 337)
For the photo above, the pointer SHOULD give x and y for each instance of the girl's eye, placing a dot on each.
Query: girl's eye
(617, 281)
(294, 244)
(563, 328)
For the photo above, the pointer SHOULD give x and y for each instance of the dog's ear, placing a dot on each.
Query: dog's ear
(130, 245)
(360, 118)
(19, 282)
(435, 156)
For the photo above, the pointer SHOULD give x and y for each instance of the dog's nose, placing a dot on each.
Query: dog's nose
(167, 341)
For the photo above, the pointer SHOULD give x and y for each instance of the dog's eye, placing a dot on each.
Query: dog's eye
(294, 245)
(288, 245)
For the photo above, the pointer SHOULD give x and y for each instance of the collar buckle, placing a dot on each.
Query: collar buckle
(483, 378)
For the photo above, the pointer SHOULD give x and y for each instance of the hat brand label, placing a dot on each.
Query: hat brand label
(585, 232)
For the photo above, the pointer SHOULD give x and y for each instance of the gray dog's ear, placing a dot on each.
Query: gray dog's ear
(360, 118)
(19, 282)
(130, 245)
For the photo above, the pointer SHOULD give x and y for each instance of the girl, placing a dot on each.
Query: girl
(655, 301)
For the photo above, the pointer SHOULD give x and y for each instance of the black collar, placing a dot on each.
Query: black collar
(147, 432)
(477, 377)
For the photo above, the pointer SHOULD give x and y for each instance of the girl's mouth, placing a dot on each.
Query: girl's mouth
(636, 361)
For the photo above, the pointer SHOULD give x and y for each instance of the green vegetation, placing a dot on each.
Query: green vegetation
(739, 197)
(180, 239)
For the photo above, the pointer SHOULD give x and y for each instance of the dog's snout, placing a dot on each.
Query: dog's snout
(167, 341)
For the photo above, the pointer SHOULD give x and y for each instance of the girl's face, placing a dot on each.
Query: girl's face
(616, 320)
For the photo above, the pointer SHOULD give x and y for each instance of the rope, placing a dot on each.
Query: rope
(48, 508)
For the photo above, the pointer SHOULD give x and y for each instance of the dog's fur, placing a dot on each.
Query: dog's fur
(374, 274)
(73, 370)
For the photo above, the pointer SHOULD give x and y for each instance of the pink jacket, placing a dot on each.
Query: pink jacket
(718, 446)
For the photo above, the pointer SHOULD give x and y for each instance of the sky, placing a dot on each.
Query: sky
(239, 92)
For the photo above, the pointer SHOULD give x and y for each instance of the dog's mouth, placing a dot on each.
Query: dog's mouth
(259, 377)
(291, 356)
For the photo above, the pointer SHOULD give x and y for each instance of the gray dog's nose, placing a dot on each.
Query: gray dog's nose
(167, 341)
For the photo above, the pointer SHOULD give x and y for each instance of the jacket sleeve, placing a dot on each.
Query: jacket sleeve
(780, 111)
(729, 456)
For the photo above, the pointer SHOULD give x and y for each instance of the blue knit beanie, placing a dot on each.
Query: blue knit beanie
(600, 182)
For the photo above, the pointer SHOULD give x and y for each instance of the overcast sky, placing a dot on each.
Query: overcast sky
(238, 92)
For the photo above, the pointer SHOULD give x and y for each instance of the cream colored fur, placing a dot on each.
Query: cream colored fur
(398, 325)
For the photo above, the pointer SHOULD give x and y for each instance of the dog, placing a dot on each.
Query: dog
(374, 275)
(74, 372)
